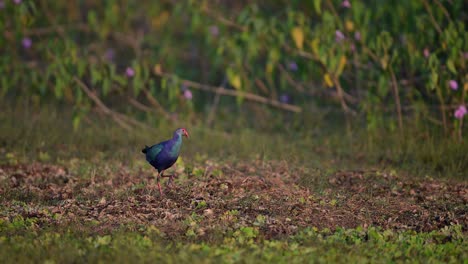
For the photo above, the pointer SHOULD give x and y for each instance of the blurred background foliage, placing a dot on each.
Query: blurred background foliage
(263, 64)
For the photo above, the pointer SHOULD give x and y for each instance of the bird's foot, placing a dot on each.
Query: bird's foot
(170, 181)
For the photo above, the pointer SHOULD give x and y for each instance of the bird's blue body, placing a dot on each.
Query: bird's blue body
(163, 155)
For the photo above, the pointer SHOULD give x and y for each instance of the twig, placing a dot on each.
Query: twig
(397, 98)
(371, 54)
(235, 93)
(433, 120)
(223, 20)
(132, 121)
(53, 29)
(434, 22)
(442, 108)
(154, 102)
(444, 10)
(212, 114)
(133, 40)
(214, 108)
(340, 92)
(332, 8)
(336, 82)
(460, 128)
(290, 79)
(60, 30)
(106, 110)
(140, 106)
(261, 85)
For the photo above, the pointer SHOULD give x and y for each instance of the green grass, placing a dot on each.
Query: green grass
(99, 150)
(24, 243)
(46, 133)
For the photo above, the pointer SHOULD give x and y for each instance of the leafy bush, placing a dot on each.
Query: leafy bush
(403, 58)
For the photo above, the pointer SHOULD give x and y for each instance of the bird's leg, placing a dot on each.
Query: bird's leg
(170, 181)
(159, 185)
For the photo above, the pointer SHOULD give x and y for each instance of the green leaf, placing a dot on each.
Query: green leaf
(318, 6)
(234, 79)
(58, 89)
(92, 18)
(95, 76)
(382, 87)
(122, 81)
(433, 62)
(81, 67)
(451, 66)
(106, 86)
(78, 96)
(434, 80)
(76, 122)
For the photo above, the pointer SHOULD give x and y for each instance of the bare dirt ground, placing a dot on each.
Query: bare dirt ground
(227, 197)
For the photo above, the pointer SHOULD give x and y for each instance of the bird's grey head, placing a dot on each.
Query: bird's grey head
(181, 132)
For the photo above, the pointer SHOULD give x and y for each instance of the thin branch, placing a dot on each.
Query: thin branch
(460, 127)
(442, 109)
(223, 20)
(433, 20)
(290, 79)
(214, 108)
(235, 93)
(53, 29)
(141, 106)
(262, 86)
(106, 110)
(444, 10)
(60, 31)
(433, 120)
(340, 93)
(154, 102)
(371, 54)
(397, 99)
(339, 89)
(216, 101)
(332, 8)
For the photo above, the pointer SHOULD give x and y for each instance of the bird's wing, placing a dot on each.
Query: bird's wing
(153, 151)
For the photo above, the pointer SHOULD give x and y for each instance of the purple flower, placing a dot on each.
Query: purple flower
(129, 72)
(346, 4)
(109, 55)
(17, 2)
(353, 47)
(292, 66)
(284, 98)
(453, 85)
(357, 35)
(339, 36)
(2, 4)
(460, 112)
(188, 94)
(426, 52)
(26, 42)
(465, 55)
(214, 30)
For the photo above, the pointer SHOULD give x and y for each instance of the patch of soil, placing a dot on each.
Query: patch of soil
(265, 195)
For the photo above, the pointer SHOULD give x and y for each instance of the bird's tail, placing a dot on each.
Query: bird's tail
(145, 149)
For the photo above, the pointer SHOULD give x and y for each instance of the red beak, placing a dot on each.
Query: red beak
(186, 133)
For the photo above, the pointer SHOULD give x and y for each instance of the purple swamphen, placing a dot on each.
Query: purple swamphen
(163, 155)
